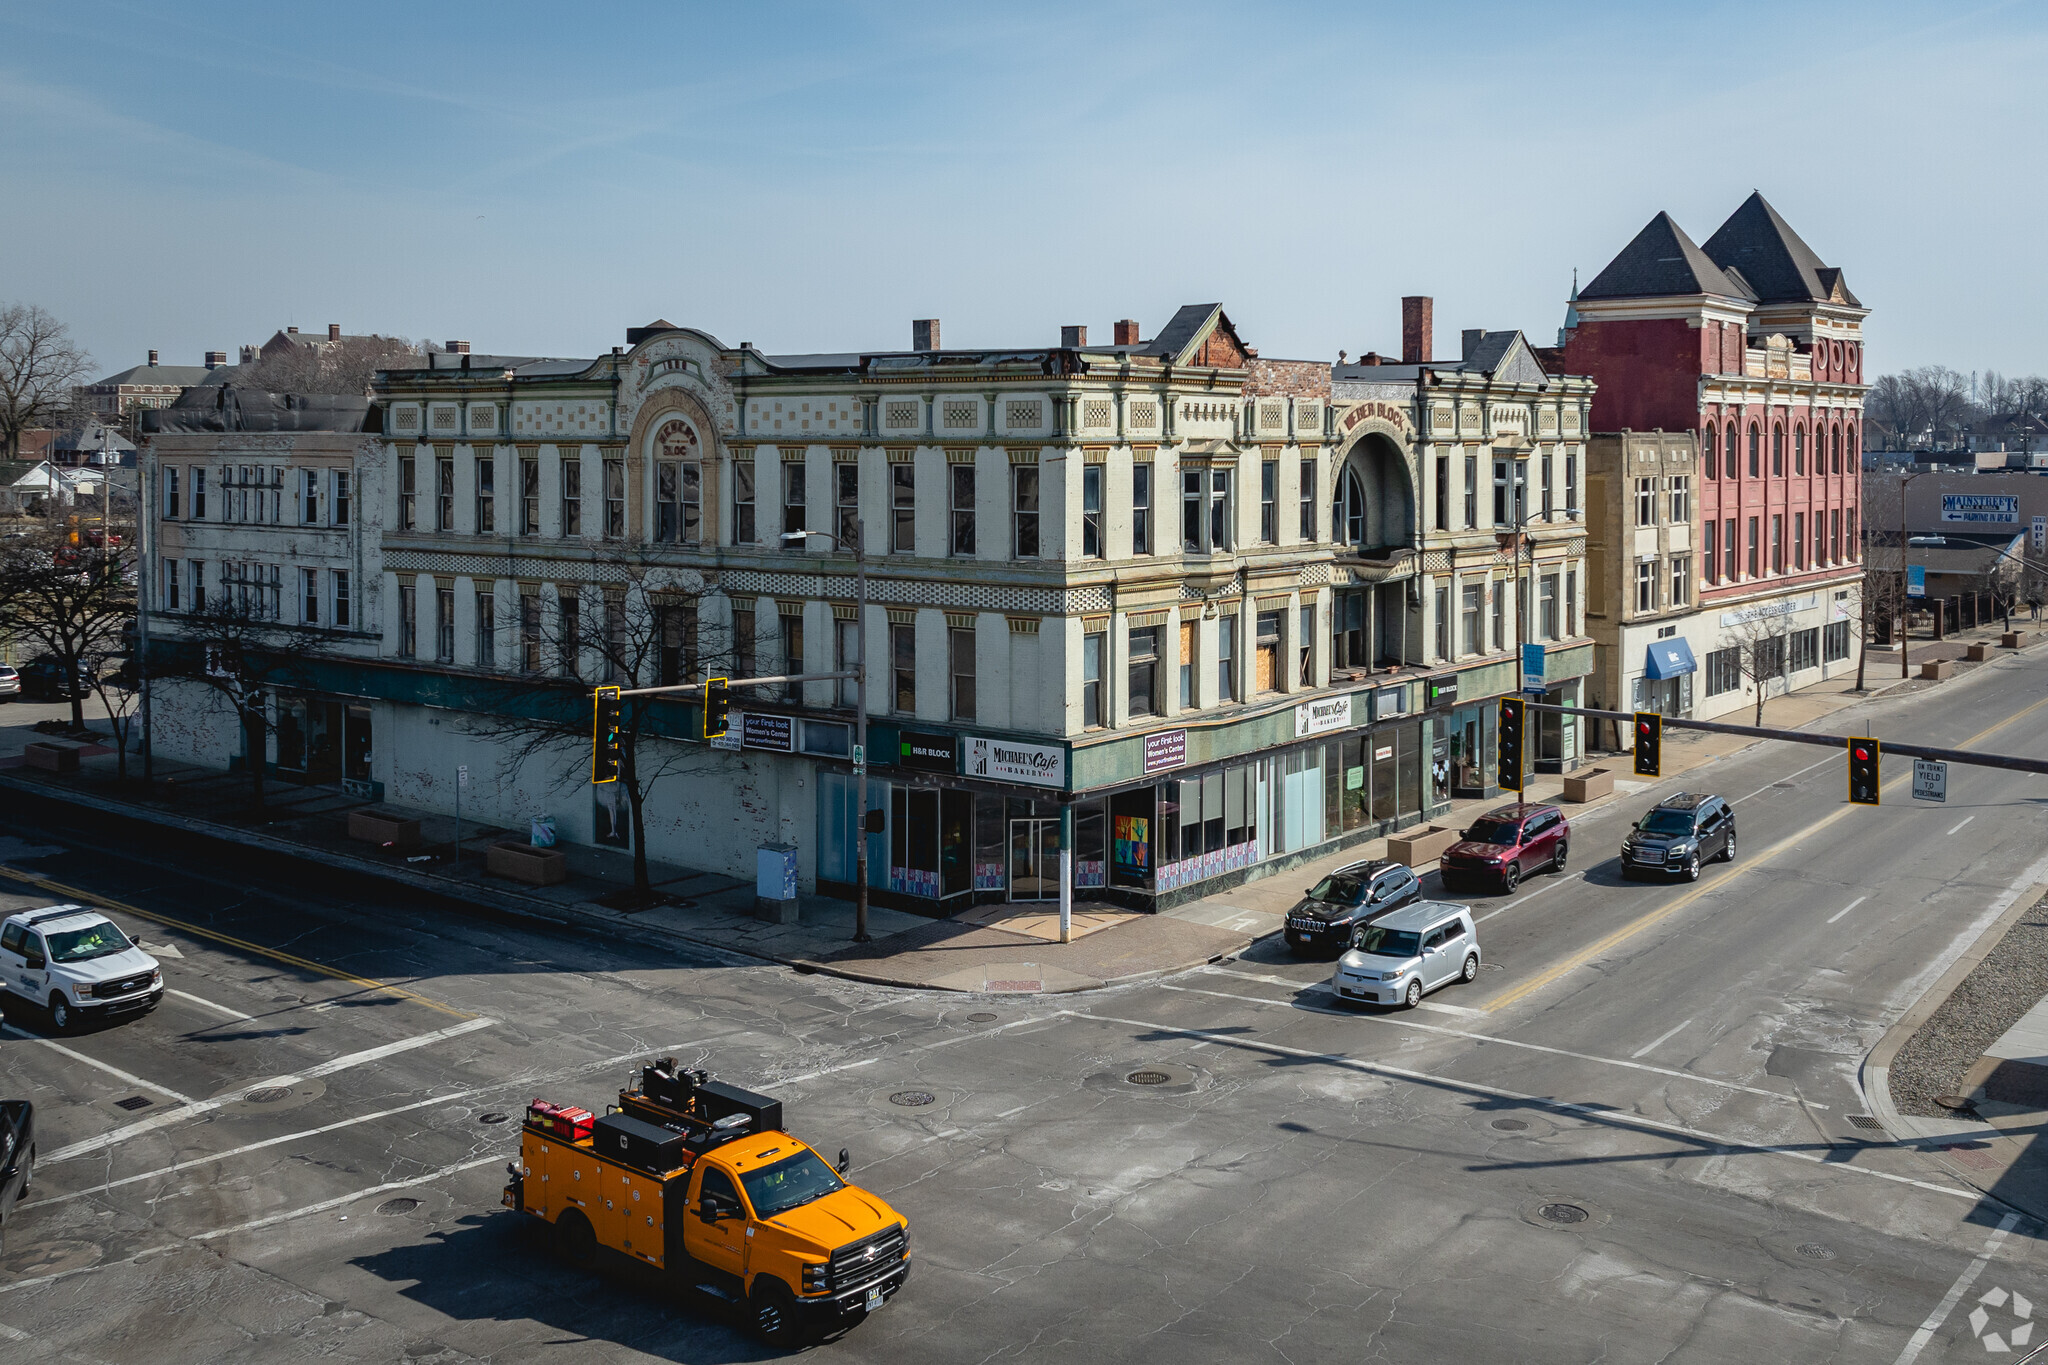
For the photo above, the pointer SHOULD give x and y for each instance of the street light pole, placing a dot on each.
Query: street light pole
(860, 716)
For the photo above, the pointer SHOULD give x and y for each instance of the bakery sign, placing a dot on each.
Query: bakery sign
(1038, 765)
(1392, 413)
(1323, 715)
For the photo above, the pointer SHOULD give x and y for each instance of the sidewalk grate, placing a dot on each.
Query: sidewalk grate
(1866, 1122)
(134, 1102)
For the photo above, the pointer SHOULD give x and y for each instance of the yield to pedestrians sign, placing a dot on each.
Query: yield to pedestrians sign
(1930, 779)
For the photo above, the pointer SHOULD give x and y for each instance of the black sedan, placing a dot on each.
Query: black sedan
(1346, 900)
(46, 679)
(17, 1154)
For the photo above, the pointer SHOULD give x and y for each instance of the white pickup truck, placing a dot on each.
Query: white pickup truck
(76, 963)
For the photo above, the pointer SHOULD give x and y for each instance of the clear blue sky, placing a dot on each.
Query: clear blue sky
(536, 178)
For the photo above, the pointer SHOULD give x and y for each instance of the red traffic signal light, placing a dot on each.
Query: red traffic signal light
(1649, 744)
(1865, 779)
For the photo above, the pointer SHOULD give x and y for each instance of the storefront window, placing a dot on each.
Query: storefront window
(956, 860)
(1333, 790)
(1353, 791)
(1408, 759)
(989, 836)
(1379, 747)
(1130, 833)
(1090, 854)
(914, 842)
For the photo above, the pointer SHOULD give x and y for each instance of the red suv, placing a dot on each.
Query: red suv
(1503, 844)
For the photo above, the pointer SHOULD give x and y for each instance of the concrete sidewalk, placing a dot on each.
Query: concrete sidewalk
(997, 949)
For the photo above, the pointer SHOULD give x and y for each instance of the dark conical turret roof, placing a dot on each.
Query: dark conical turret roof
(1779, 266)
(1661, 261)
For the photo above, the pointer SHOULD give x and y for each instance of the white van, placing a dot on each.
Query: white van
(75, 962)
(1399, 958)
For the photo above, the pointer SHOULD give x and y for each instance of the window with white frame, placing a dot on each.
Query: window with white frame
(309, 596)
(1681, 500)
(339, 502)
(1646, 502)
(342, 614)
(309, 497)
(1646, 585)
(1681, 580)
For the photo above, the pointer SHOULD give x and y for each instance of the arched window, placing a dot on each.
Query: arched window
(678, 484)
(1348, 521)
(1756, 439)
(1708, 456)
(1852, 447)
(1799, 450)
(1777, 449)
(1836, 441)
(1728, 449)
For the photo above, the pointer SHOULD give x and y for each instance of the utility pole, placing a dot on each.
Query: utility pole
(142, 550)
(1905, 606)
(860, 716)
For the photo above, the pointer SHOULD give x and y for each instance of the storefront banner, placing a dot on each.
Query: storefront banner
(1035, 764)
(1322, 716)
(928, 753)
(1173, 876)
(1994, 507)
(759, 730)
(1762, 611)
(1168, 750)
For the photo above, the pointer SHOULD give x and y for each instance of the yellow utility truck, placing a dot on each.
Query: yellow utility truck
(759, 1219)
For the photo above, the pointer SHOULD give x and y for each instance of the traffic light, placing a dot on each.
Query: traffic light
(716, 701)
(604, 736)
(1510, 735)
(1649, 743)
(1863, 775)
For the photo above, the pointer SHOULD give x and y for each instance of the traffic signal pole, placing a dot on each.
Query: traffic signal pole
(1968, 757)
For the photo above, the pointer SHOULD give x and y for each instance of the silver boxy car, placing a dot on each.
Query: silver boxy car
(1399, 958)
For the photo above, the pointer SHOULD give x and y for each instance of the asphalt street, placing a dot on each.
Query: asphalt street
(315, 1171)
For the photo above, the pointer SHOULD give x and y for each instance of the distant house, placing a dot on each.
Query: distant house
(91, 445)
(284, 341)
(48, 483)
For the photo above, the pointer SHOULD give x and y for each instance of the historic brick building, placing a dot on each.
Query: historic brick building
(1757, 347)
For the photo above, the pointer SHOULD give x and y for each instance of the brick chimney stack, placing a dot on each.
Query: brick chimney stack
(1073, 338)
(458, 348)
(924, 334)
(1418, 329)
(334, 331)
(152, 357)
(1127, 332)
(216, 359)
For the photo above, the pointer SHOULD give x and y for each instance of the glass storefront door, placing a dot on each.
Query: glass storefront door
(1034, 860)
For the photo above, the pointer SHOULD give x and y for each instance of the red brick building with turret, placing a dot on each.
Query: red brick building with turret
(1756, 346)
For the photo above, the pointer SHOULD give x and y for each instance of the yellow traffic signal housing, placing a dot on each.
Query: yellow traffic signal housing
(604, 736)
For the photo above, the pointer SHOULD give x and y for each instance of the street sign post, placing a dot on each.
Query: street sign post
(1930, 779)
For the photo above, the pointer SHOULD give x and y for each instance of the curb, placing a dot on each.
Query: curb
(1875, 1074)
(511, 904)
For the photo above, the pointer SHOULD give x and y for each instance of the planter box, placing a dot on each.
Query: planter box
(1977, 654)
(371, 827)
(1938, 669)
(51, 758)
(525, 863)
(1590, 785)
(2013, 639)
(1421, 846)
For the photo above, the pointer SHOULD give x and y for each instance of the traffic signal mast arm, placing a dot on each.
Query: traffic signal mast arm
(1966, 756)
(681, 689)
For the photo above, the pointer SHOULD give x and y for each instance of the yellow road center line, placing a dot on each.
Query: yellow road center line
(275, 955)
(1654, 917)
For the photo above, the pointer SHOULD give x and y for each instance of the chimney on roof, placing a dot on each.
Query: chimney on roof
(924, 334)
(216, 359)
(152, 357)
(249, 354)
(458, 348)
(1472, 337)
(1418, 329)
(334, 331)
(1074, 338)
(1127, 332)
(291, 331)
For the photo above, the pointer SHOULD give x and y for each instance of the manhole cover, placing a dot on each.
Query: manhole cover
(912, 1099)
(1563, 1213)
(1954, 1101)
(1865, 1121)
(981, 1017)
(134, 1102)
(1148, 1078)
(493, 1118)
(1815, 1251)
(1510, 1125)
(398, 1206)
(268, 1094)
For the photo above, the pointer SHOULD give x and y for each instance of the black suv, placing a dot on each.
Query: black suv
(1680, 833)
(17, 1153)
(1348, 899)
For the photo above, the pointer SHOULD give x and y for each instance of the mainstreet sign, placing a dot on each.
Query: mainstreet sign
(1930, 779)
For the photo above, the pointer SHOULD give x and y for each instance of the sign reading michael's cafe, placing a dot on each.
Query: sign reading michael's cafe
(1323, 715)
(1040, 765)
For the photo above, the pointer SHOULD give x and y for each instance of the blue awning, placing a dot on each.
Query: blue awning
(1668, 659)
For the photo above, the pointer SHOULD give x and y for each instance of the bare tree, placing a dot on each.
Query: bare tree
(39, 365)
(317, 365)
(1760, 641)
(76, 601)
(116, 680)
(236, 645)
(642, 631)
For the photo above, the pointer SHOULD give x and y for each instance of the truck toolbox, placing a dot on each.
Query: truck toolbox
(638, 1143)
(563, 1121)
